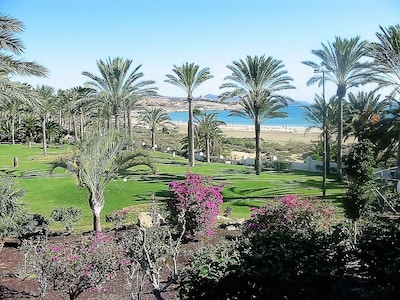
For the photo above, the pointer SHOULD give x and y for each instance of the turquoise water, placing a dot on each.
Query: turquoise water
(294, 119)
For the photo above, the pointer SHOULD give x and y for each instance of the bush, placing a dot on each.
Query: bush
(117, 217)
(196, 200)
(67, 216)
(379, 252)
(204, 277)
(76, 266)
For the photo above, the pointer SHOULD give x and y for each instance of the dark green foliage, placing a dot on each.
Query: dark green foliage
(361, 177)
(379, 251)
(67, 216)
(32, 225)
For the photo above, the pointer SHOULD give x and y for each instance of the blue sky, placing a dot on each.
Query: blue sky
(68, 36)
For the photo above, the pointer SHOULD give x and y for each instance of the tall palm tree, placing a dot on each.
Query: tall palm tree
(117, 84)
(386, 70)
(208, 128)
(317, 114)
(342, 59)
(188, 77)
(154, 118)
(258, 81)
(46, 96)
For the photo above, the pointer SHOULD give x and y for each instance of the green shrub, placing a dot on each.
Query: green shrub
(379, 252)
(67, 216)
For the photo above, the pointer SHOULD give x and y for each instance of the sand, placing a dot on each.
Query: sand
(268, 133)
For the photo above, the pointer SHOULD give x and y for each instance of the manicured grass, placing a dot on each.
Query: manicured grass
(242, 188)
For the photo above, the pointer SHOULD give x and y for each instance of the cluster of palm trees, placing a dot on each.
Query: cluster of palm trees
(107, 100)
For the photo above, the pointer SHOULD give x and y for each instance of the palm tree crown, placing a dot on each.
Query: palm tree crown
(188, 77)
(257, 82)
(117, 84)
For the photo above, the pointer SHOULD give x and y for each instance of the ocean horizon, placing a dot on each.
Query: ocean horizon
(295, 118)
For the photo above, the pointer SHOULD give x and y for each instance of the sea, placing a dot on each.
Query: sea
(295, 117)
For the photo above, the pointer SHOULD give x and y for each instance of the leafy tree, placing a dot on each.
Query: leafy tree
(98, 160)
(258, 81)
(342, 61)
(117, 84)
(188, 77)
(154, 118)
(207, 128)
(360, 173)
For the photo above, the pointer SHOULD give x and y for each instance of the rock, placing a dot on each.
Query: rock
(145, 219)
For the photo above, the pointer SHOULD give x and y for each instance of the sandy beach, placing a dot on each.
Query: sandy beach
(268, 133)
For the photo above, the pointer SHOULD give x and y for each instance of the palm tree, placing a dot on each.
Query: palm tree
(188, 77)
(386, 56)
(117, 84)
(317, 114)
(154, 118)
(342, 61)
(208, 128)
(257, 81)
(9, 42)
(46, 97)
(99, 159)
(362, 115)
(386, 70)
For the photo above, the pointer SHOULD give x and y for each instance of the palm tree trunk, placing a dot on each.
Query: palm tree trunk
(12, 130)
(44, 136)
(96, 206)
(82, 123)
(153, 139)
(190, 133)
(340, 140)
(208, 149)
(257, 163)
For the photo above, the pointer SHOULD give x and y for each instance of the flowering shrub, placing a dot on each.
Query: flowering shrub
(197, 200)
(290, 214)
(76, 266)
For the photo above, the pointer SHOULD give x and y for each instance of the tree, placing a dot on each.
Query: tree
(46, 98)
(318, 112)
(154, 118)
(342, 60)
(117, 84)
(361, 187)
(207, 128)
(188, 77)
(385, 70)
(9, 27)
(362, 115)
(98, 160)
(258, 81)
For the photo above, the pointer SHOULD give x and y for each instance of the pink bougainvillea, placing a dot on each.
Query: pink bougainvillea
(197, 200)
(290, 213)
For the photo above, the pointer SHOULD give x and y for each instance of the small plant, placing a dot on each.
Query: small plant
(66, 215)
(197, 200)
(117, 217)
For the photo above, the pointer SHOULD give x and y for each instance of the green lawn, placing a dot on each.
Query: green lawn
(243, 189)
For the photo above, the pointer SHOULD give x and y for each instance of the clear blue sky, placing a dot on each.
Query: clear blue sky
(68, 36)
